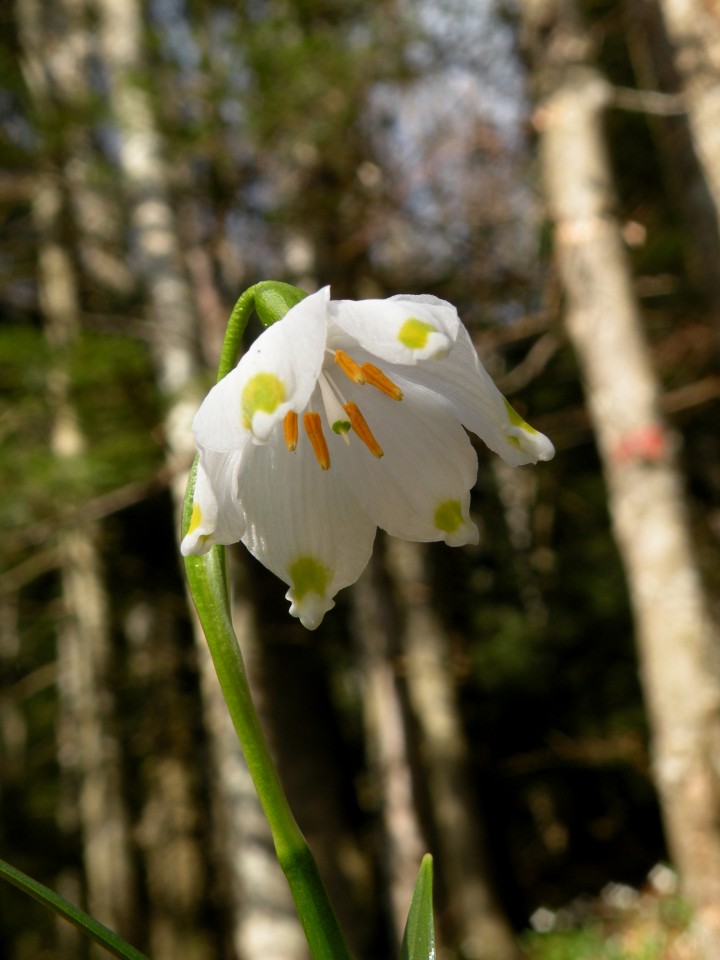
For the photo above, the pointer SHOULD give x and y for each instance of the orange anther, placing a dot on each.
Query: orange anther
(313, 428)
(361, 428)
(375, 377)
(349, 367)
(290, 425)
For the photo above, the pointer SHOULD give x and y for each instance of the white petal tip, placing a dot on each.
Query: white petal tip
(264, 423)
(196, 544)
(547, 450)
(310, 609)
(468, 533)
(529, 447)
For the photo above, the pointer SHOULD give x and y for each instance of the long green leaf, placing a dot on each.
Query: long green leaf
(419, 940)
(83, 921)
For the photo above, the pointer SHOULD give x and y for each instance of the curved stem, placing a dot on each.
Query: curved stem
(208, 586)
(234, 331)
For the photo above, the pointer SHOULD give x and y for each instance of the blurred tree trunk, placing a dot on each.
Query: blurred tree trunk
(687, 186)
(163, 745)
(694, 29)
(268, 925)
(481, 929)
(88, 748)
(386, 733)
(259, 924)
(291, 674)
(646, 498)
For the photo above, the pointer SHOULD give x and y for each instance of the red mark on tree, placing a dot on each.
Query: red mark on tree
(647, 444)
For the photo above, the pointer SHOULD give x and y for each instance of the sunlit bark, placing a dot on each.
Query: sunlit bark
(268, 925)
(694, 29)
(481, 928)
(87, 746)
(650, 53)
(391, 777)
(174, 336)
(298, 711)
(647, 502)
(88, 749)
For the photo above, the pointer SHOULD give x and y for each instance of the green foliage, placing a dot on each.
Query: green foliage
(326, 55)
(584, 944)
(647, 931)
(112, 392)
(114, 388)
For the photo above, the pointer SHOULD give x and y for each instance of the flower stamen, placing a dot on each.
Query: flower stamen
(359, 425)
(349, 367)
(376, 378)
(313, 428)
(290, 426)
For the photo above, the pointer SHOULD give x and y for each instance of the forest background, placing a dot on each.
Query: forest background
(539, 711)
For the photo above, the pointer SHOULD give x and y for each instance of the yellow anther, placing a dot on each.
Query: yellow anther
(361, 428)
(290, 426)
(313, 428)
(349, 367)
(376, 378)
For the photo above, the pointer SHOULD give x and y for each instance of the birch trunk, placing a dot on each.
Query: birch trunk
(694, 29)
(386, 733)
(88, 750)
(673, 624)
(175, 329)
(481, 928)
(268, 925)
(685, 183)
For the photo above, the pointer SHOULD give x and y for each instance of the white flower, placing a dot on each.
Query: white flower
(343, 417)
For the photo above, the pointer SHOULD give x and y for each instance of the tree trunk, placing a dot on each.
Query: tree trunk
(290, 672)
(386, 733)
(268, 924)
(174, 338)
(685, 183)
(172, 821)
(481, 928)
(88, 749)
(694, 29)
(673, 624)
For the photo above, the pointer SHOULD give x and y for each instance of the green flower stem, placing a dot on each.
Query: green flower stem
(234, 331)
(208, 585)
(88, 925)
(271, 299)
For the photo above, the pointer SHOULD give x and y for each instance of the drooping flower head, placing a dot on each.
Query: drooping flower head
(342, 417)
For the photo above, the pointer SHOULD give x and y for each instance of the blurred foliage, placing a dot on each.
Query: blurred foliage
(114, 395)
(648, 927)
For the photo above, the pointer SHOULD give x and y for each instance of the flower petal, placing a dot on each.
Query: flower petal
(403, 329)
(217, 516)
(461, 378)
(420, 488)
(278, 373)
(304, 524)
